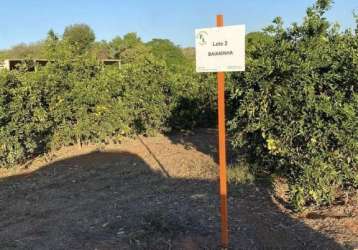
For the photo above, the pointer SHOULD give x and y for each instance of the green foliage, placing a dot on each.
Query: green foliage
(317, 183)
(76, 100)
(165, 50)
(192, 99)
(129, 49)
(296, 106)
(79, 36)
(101, 50)
(240, 174)
(144, 85)
(21, 51)
(24, 121)
(79, 101)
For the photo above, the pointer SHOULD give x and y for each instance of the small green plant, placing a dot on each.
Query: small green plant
(240, 174)
(317, 185)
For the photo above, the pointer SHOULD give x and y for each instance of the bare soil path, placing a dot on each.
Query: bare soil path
(152, 193)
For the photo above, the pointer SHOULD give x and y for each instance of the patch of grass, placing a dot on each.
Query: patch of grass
(240, 174)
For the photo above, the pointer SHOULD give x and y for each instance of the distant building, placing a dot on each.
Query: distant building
(33, 64)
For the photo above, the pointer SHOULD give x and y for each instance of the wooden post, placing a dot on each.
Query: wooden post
(222, 151)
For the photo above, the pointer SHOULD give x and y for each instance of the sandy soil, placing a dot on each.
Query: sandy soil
(153, 193)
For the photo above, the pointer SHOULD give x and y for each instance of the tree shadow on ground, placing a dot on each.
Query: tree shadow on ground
(115, 200)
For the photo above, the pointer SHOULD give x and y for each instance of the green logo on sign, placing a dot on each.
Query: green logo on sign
(202, 36)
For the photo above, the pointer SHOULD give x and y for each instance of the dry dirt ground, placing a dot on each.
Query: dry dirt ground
(153, 193)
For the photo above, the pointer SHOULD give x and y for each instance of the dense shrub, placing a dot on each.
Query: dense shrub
(192, 99)
(78, 101)
(296, 106)
(23, 117)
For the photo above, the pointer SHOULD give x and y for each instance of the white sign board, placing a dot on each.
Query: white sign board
(220, 49)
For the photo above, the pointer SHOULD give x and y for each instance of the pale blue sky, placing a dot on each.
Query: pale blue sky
(29, 20)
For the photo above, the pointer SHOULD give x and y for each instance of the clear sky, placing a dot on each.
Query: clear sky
(29, 20)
